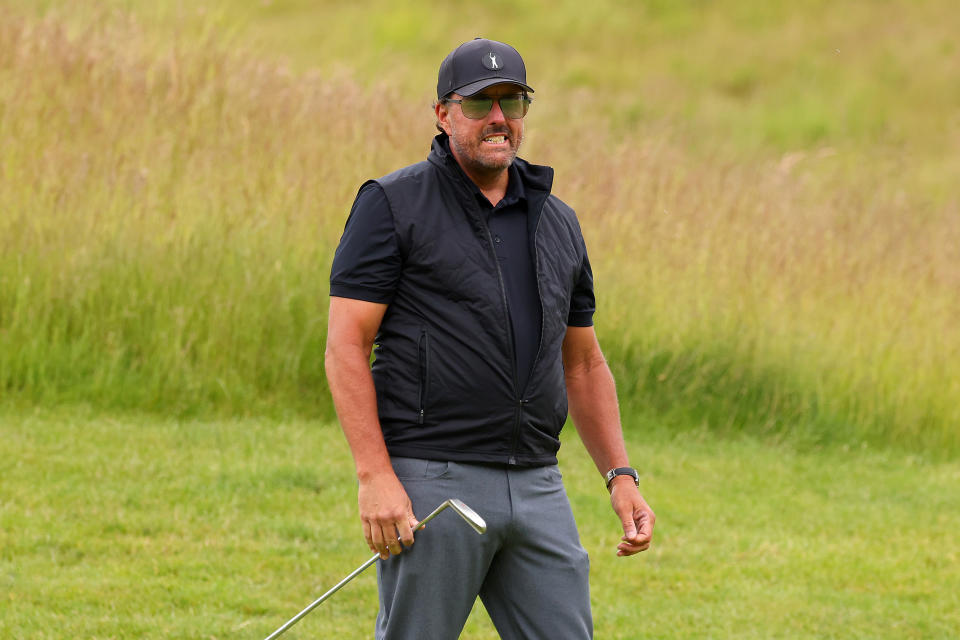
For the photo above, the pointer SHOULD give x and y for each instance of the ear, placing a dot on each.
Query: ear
(443, 116)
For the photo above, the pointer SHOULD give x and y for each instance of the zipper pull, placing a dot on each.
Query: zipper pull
(421, 416)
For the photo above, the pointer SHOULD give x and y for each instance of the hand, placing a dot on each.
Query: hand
(386, 513)
(635, 514)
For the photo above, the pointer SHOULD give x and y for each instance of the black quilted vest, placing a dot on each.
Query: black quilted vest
(445, 370)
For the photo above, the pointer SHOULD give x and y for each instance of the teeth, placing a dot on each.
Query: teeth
(495, 139)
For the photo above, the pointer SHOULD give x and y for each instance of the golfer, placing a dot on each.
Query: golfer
(472, 281)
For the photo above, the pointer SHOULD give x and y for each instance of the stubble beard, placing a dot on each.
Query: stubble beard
(470, 150)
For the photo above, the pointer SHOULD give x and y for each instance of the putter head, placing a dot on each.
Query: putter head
(472, 517)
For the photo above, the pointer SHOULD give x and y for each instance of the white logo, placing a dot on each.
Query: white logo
(493, 61)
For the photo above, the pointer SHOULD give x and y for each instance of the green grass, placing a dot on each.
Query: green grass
(768, 194)
(117, 527)
(170, 204)
(750, 74)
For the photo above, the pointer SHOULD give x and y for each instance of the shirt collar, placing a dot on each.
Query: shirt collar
(515, 190)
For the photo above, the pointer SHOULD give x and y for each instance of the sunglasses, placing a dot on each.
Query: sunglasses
(477, 107)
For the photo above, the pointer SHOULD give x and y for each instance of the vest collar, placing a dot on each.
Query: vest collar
(534, 177)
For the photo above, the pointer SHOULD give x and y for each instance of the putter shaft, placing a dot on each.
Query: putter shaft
(463, 510)
(295, 619)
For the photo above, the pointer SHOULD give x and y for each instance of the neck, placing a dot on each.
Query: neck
(491, 182)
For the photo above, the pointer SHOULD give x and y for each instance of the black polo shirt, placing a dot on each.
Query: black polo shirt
(508, 229)
(368, 263)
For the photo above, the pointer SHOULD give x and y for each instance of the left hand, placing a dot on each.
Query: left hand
(635, 515)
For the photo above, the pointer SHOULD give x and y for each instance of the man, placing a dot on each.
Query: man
(474, 284)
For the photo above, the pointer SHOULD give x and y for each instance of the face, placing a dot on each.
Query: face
(486, 146)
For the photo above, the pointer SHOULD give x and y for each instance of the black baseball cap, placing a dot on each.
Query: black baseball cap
(477, 64)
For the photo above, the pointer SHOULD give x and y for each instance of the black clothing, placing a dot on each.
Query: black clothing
(369, 246)
(367, 264)
(511, 240)
(446, 372)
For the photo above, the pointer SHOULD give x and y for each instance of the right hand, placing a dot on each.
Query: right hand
(386, 513)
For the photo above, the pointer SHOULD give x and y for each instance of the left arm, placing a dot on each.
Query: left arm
(592, 396)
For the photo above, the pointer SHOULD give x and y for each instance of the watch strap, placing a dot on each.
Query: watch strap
(623, 471)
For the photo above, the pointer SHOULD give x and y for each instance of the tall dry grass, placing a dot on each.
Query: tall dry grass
(167, 215)
(168, 209)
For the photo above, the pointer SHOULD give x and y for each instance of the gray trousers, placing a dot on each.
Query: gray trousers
(530, 570)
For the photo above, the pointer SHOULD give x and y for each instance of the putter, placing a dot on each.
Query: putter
(469, 515)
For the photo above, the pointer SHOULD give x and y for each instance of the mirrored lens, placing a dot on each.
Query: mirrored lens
(513, 107)
(476, 108)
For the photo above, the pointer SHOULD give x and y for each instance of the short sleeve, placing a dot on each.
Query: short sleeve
(582, 303)
(367, 263)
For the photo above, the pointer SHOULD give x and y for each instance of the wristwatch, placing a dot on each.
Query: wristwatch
(623, 471)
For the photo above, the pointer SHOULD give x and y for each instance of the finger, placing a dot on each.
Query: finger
(368, 536)
(629, 531)
(406, 530)
(633, 544)
(639, 537)
(392, 539)
(643, 520)
(629, 526)
(628, 548)
(645, 531)
(376, 535)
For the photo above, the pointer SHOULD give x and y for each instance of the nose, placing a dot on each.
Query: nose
(496, 113)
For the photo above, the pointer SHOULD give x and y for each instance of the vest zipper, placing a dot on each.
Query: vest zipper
(513, 345)
(523, 401)
(423, 347)
(536, 275)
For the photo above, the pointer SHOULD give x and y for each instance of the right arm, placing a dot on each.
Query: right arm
(385, 509)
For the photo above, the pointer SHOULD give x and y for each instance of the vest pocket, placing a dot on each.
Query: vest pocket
(423, 354)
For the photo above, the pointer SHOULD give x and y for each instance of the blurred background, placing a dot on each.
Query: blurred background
(768, 192)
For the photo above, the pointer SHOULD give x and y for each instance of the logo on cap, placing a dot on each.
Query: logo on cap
(490, 61)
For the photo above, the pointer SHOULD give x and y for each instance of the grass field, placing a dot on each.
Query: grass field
(158, 528)
(171, 203)
(768, 192)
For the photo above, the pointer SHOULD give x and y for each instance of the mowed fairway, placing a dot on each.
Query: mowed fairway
(153, 528)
